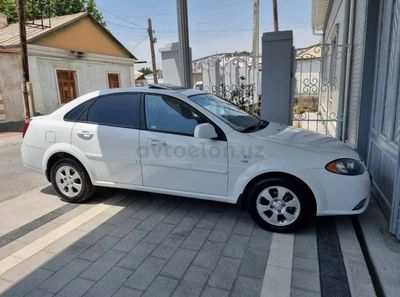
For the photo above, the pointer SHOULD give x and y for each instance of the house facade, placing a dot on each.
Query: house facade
(70, 56)
(368, 93)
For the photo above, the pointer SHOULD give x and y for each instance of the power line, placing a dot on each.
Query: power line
(126, 27)
(140, 42)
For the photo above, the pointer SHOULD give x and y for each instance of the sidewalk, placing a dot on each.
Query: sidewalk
(127, 243)
(383, 249)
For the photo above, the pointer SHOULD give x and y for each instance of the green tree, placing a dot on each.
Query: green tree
(9, 8)
(97, 14)
(146, 70)
(58, 7)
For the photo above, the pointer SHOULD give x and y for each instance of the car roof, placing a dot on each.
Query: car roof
(162, 89)
(172, 91)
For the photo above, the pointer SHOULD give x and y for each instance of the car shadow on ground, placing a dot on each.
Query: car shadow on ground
(148, 244)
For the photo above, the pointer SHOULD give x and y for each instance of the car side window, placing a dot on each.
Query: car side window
(170, 115)
(121, 110)
(74, 114)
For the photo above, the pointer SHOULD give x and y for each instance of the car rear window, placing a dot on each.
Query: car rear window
(120, 110)
(76, 112)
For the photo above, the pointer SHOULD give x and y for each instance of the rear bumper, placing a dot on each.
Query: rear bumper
(337, 194)
(32, 157)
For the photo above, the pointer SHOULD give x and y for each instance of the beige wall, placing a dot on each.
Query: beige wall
(10, 87)
(84, 36)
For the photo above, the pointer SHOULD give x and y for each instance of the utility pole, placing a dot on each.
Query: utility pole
(276, 22)
(184, 48)
(256, 28)
(256, 45)
(153, 55)
(24, 56)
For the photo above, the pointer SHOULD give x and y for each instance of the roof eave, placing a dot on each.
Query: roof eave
(320, 10)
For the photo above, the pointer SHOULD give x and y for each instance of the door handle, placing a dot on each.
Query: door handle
(85, 134)
(155, 142)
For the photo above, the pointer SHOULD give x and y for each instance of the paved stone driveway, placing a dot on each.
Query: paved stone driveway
(156, 245)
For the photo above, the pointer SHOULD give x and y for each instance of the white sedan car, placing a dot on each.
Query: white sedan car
(193, 144)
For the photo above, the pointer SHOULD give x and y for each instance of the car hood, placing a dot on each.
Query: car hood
(306, 140)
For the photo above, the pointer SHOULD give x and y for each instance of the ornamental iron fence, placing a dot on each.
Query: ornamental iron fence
(235, 77)
(318, 96)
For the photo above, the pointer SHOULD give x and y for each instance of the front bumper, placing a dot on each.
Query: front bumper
(337, 194)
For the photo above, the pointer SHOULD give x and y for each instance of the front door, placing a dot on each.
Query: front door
(108, 135)
(172, 158)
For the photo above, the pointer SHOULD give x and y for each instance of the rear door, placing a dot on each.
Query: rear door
(108, 135)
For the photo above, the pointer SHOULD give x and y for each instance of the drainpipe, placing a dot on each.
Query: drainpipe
(346, 64)
(348, 69)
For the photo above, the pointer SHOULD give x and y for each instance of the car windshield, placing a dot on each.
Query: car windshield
(235, 117)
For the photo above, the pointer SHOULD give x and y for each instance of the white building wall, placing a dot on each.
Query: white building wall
(91, 74)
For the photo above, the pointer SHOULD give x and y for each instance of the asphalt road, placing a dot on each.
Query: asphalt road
(15, 179)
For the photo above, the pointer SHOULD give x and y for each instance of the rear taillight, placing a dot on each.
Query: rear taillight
(25, 126)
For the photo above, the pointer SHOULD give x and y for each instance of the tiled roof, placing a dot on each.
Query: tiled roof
(9, 36)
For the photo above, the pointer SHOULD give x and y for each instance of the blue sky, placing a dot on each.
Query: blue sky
(215, 26)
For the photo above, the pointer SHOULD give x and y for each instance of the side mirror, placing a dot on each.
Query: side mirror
(205, 130)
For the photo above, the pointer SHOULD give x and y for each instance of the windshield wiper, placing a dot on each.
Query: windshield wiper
(261, 124)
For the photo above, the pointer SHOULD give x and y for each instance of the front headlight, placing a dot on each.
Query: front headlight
(346, 167)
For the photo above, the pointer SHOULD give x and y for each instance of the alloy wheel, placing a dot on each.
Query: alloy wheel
(69, 181)
(278, 206)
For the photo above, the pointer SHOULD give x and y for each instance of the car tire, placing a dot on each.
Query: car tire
(71, 181)
(279, 205)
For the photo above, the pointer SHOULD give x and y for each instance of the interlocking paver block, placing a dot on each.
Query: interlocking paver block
(196, 239)
(305, 280)
(93, 236)
(158, 233)
(260, 239)
(62, 277)
(225, 273)
(99, 248)
(175, 216)
(145, 273)
(193, 282)
(306, 264)
(130, 240)
(177, 265)
(77, 287)
(254, 263)
(29, 283)
(209, 220)
(161, 287)
(65, 257)
(244, 225)
(236, 246)
(303, 293)
(127, 292)
(184, 227)
(136, 256)
(209, 254)
(222, 230)
(245, 286)
(109, 283)
(125, 228)
(169, 246)
(214, 292)
(39, 293)
(150, 222)
(100, 267)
